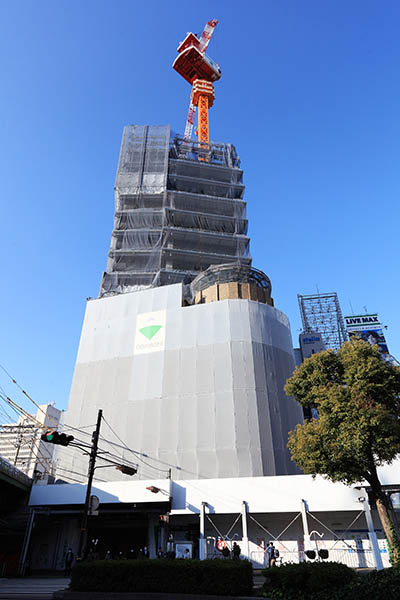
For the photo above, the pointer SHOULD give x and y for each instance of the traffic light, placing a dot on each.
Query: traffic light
(127, 470)
(53, 437)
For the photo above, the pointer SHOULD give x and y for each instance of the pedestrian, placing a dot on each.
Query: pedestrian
(271, 555)
(235, 551)
(160, 553)
(69, 559)
(108, 555)
(146, 553)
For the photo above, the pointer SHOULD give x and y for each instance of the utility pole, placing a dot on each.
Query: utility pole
(92, 463)
(20, 437)
(19, 442)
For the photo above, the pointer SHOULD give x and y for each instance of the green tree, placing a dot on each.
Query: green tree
(357, 396)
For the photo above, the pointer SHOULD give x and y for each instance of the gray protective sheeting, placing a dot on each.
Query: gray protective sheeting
(209, 405)
(175, 215)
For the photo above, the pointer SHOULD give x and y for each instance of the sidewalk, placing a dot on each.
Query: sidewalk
(31, 588)
(145, 596)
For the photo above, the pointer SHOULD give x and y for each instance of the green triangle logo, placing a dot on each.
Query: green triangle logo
(150, 331)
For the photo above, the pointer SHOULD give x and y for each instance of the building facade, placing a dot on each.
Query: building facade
(183, 350)
(21, 445)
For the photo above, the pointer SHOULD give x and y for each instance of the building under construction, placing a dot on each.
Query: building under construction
(187, 356)
(183, 350)
(175, 214)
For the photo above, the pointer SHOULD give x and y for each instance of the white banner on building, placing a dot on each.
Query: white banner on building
(150, 332)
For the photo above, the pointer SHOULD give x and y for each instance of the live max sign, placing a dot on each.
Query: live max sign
(362, 320)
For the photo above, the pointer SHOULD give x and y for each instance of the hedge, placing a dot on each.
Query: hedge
(377, 584)
(213, 577)
(305, 579)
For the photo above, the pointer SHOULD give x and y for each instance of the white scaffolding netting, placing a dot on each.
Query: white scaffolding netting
(176, 213)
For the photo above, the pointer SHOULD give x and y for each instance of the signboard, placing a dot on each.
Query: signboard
(150, 332)
(94, 504)
(311, 343)
(368, 328)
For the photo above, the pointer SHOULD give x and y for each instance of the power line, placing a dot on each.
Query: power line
(4, 398)
(80, 474)
(2, 410)
(125, 446)
(119, 457)
(133, 451)
(27, 395)
(38, 459)
(71, 478)
(136, 453)
(21, 411)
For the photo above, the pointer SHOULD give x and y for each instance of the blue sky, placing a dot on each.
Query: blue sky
(309, 95)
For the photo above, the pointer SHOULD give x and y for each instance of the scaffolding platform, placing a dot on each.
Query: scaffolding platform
(179, 208)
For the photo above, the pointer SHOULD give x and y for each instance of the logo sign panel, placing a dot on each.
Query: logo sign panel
(220, 544)
(150, 332)
(368, 328)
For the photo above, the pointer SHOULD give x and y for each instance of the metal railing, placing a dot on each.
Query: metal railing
(356, 558)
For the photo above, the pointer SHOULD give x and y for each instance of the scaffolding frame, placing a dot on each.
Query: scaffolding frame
(176, 213)
(321, 313)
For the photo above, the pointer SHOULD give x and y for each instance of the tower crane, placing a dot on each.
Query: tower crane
(200, 71)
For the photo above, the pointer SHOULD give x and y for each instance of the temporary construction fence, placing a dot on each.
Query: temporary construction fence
(175, 213)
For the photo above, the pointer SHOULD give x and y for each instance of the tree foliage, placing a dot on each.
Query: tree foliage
(357, 396)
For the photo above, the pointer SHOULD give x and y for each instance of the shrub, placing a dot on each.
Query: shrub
(377, 584)
(229, 578)
(295, 580)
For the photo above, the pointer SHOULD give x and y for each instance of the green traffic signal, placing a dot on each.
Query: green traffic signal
(53, 437)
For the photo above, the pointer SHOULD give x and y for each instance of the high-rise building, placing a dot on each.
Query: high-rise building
(183, 350)
(21, 445)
